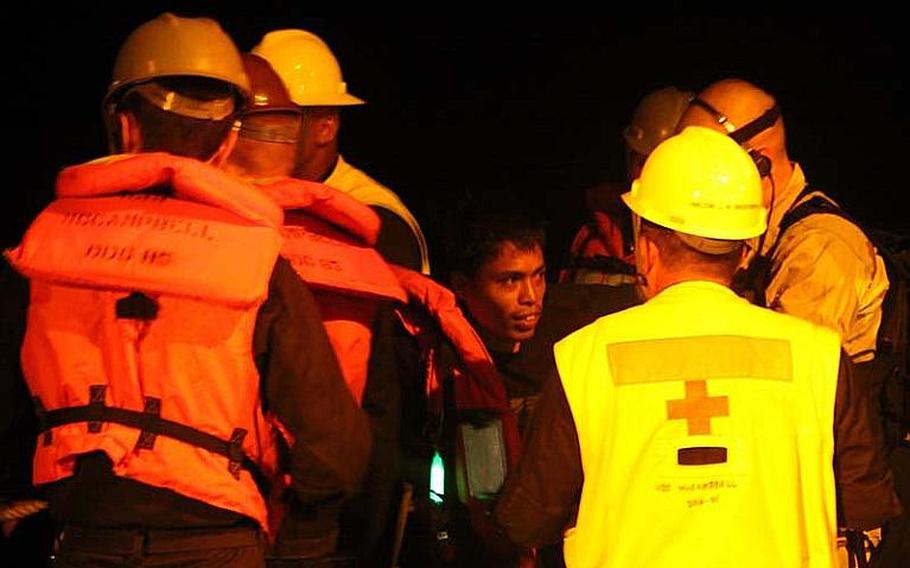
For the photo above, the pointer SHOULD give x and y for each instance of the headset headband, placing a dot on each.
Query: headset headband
(750, 130)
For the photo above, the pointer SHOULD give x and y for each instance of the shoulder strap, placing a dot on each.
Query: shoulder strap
(753, 281)
(818, 203)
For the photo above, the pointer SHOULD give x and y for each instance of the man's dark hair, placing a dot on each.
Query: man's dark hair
(480, 238)
(675, 253)
(167, 131)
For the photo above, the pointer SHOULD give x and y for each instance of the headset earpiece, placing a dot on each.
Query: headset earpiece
(762, 162)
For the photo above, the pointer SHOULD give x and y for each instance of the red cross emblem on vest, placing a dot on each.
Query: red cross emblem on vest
(698, 408)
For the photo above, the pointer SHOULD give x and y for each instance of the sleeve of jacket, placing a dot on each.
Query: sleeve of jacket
(18, 425)
(822, 277)
(865, 487)
(304, 389)
(369, 514)
(541, 494)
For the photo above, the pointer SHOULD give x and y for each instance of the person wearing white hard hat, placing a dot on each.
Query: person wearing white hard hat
(697, 428)
(313, 77)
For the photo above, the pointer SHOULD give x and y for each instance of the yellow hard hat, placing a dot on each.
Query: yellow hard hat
(308, 68)
(171, 46)
(655, 118)
(701, 183)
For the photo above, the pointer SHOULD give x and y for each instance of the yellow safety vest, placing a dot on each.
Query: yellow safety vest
(365, 189)
(706, 433)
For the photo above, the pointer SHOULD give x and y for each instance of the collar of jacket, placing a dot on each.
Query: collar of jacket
(189, 179)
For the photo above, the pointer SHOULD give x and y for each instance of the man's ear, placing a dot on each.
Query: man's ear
(130, 133)
(645, 251)
(648, 265)
(748, 252)
(219, 158)
(326, 126)
(647, 255)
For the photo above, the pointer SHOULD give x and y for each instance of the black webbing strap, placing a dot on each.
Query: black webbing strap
(743, 133)
(752, 282)
(150, 424)
(760, 124)
(818, 203)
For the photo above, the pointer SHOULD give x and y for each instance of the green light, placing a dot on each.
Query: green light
(437, 478)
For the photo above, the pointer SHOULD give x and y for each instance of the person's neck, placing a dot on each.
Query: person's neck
(498, 344)
(670, 279)
(781, 175)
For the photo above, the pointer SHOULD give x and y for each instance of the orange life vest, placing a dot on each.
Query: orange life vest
(478, 385)
(599, 254)
(140, 326)
(433, 317)
(329, 240)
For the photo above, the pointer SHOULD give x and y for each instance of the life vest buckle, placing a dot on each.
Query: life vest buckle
(96, 407)
(235, 452)
(152, 408)
(41, 416)
(137, 306)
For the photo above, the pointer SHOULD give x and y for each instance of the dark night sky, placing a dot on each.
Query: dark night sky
(529, 105)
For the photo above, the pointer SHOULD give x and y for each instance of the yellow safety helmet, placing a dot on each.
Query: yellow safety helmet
(171, 46)
(655, 118)
(308, 68)
(702, 184)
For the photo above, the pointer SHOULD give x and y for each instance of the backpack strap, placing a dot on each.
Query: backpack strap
(892, 362)
(818, 203)
(753, 281)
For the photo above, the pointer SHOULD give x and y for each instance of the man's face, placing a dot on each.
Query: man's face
(505, 296)
(317, 146)
(307, 147)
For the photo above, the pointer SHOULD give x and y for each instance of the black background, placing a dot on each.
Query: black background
(470, 99)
